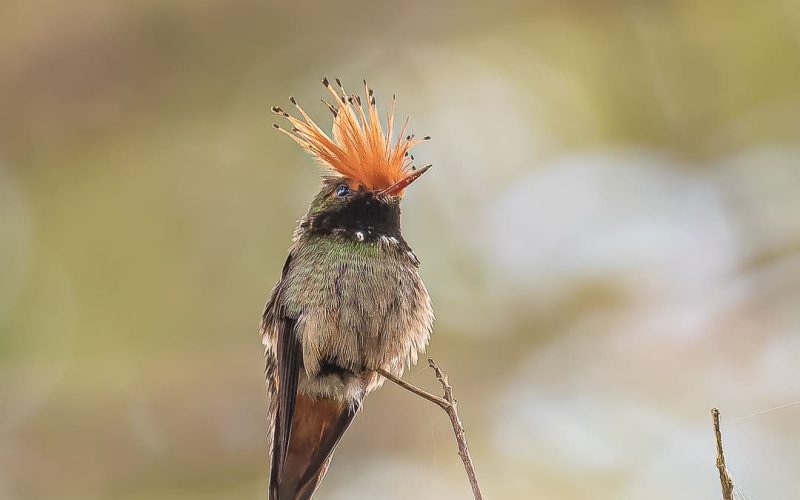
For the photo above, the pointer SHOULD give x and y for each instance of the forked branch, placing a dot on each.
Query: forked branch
(449, 404)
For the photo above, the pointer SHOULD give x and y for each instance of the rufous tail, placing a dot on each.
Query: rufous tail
(317, 426)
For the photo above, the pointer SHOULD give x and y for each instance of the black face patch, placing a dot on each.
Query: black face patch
(363, 213)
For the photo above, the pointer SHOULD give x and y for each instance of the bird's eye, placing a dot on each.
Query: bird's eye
(342, 191)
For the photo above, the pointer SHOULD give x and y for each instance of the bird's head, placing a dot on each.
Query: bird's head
(365, 170)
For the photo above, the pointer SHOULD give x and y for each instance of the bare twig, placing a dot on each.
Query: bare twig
(449, 404)
(725, 478)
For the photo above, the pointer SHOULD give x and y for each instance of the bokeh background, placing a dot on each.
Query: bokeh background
(611, 235)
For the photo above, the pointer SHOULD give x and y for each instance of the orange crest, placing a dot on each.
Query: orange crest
(359, 149)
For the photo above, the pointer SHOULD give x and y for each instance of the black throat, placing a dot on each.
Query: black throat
(364, 217)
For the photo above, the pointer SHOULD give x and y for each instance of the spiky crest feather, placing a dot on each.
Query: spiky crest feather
(358, 149)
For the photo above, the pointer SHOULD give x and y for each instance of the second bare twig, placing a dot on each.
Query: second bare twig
(725, 478)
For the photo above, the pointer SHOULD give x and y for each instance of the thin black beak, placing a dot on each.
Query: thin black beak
(404, 182)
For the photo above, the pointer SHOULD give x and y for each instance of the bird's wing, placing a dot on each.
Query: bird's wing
(289, 365)
(273, 324)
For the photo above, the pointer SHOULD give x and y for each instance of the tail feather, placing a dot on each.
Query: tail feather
(316, 429)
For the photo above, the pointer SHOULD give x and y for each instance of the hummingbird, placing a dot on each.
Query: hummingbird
(350, 300)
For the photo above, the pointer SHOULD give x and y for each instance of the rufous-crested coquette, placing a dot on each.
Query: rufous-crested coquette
(350, 299)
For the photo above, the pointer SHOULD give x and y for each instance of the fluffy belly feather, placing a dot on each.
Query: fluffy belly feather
(360, 306)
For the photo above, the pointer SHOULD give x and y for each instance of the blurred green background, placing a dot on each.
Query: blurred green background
(610, 233)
